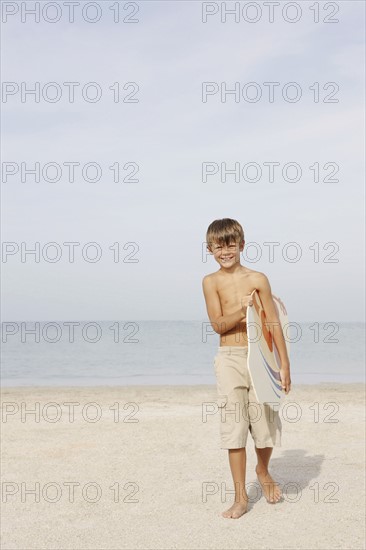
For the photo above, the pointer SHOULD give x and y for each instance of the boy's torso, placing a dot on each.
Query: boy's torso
(231, 288)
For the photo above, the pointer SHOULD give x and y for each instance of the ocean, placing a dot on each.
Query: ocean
(119, 353)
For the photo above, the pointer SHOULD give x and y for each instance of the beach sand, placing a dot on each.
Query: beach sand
(149, 472)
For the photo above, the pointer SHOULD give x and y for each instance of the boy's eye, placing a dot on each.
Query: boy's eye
(230, 247)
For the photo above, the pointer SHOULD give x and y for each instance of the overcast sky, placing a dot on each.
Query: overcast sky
(169, 133)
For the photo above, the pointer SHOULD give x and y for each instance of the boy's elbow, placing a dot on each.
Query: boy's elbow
(218, 327)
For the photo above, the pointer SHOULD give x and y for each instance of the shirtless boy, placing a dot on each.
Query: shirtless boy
(227, 294)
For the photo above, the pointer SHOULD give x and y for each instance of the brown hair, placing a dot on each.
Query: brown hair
(224, 231)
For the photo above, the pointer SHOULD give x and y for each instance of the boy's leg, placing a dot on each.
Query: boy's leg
(238, 463)
(266, 429)
(232, 385)
(270, 488)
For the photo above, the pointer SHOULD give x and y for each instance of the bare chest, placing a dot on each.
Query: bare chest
(231, 293)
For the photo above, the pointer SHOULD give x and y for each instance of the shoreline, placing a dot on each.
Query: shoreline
(136, 386)
(168, 386)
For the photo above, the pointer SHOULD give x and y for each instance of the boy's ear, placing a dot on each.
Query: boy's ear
(208, 247)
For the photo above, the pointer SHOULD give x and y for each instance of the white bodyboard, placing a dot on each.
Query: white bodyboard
(263, 358)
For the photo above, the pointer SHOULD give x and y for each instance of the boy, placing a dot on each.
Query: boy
(227, 294)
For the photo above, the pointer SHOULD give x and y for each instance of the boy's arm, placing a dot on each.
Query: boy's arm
(274, 325)
(220, 323)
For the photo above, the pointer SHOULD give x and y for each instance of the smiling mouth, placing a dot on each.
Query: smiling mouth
(227, 259)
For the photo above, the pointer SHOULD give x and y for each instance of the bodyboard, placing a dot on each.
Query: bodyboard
(263, 358)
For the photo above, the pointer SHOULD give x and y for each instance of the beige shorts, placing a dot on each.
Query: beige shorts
(238, 408)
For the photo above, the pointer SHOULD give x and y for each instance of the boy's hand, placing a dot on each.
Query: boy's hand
(246, 301)
(285, 378)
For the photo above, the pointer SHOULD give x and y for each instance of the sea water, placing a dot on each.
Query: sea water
(162, 352)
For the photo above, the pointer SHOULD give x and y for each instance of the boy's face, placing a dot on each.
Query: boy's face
(227, 256)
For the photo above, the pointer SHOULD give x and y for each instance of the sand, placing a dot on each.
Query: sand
(156, 477)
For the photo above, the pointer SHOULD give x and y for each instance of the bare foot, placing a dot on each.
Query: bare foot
(271, 490)
(236, 510)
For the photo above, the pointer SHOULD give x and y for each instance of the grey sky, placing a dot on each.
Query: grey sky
(169, 133)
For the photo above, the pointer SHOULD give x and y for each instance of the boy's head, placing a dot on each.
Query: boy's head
(225, 237)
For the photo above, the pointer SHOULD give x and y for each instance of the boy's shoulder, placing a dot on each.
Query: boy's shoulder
(257, 274)
(257, 278)
(209, 278)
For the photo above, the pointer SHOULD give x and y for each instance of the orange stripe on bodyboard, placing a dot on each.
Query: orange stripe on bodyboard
(260, 312)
